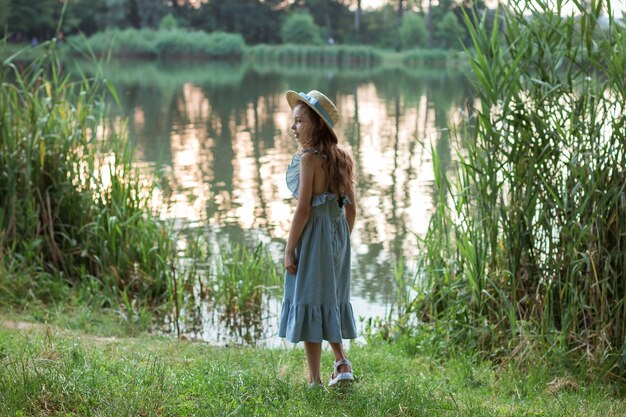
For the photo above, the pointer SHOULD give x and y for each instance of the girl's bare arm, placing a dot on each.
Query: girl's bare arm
(303, 208)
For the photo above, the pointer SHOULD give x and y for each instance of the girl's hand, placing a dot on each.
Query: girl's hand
(291, 264)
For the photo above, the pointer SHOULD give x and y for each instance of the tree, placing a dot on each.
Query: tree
(449, 31)
(332, 15)
(91, 16)
(5, 13)
(413, 32)
(380, 27)
(256, 21)
(147, 13)
(32, 18)
(169, 22)
(300, 28)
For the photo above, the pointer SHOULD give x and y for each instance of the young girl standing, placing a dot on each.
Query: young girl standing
(321, 176)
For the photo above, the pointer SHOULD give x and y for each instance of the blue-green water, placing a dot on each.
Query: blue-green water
(224, 132)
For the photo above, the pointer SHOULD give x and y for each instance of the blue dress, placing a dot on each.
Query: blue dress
(316, 304)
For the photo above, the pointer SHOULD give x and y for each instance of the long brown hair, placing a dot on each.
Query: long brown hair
(339, 166)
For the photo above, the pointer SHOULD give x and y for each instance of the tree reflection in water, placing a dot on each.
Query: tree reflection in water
(224, 131)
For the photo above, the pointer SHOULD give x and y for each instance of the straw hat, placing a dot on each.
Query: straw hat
(319, 103)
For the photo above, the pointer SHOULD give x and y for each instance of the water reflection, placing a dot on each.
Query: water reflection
(224, 130)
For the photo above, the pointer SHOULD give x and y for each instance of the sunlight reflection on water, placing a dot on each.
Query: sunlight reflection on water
(228, 147)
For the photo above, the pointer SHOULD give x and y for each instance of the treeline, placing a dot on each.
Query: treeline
(397, 24)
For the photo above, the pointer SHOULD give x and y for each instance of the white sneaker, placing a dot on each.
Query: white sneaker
(341, 377)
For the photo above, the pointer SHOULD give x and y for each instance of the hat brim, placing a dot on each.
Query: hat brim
(294, 98)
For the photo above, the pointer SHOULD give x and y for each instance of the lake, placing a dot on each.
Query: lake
(224, 130)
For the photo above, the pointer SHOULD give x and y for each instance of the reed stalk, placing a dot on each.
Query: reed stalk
(74, 206)
(244, 279)
(528, 242)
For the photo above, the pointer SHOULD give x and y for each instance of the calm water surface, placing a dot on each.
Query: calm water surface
(224, 131)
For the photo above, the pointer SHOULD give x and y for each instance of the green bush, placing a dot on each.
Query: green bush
(126, 42)
(168, 22)
(413, 31)
(449, 31)
(198, 43)
(300, 28)
(162, 43)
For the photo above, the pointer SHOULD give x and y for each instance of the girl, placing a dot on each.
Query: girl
(321, 176)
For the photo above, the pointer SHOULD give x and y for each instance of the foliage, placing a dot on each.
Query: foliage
(256, 21)
(380, 28)
(449, 32)
(201, 44)
(48, 371)
(300, 29)
(5, 13)
(417, 56)
(98, 15)
(129, 42)
(29, 18)
(243, 280)
(152, 43)
(332, 16)
(527, 244)
(343, 55)
(34, 18)
(74, 208)
(146, 13)
(413, 32)
(168, 22)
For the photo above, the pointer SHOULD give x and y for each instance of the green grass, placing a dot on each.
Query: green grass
(56, 372)
(243, 282)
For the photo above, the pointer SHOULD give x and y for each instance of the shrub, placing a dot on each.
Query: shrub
(449, 31)
(154, 43)
(299, 28)
(413, 32)
(168, 22)
(198, 43)
(135, 42)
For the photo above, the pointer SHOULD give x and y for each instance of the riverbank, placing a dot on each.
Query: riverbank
(145, 46)
(50, 370)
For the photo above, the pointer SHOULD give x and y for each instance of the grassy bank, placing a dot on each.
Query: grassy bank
(176, 44)
(55, 372)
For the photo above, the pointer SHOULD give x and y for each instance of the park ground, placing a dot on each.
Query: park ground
(51, 370)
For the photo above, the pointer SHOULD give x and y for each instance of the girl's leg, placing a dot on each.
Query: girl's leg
(339, 355)
(313, 357)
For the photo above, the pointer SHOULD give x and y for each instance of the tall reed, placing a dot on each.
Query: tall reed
(528, 242)
(74, 208)
(244, 279)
